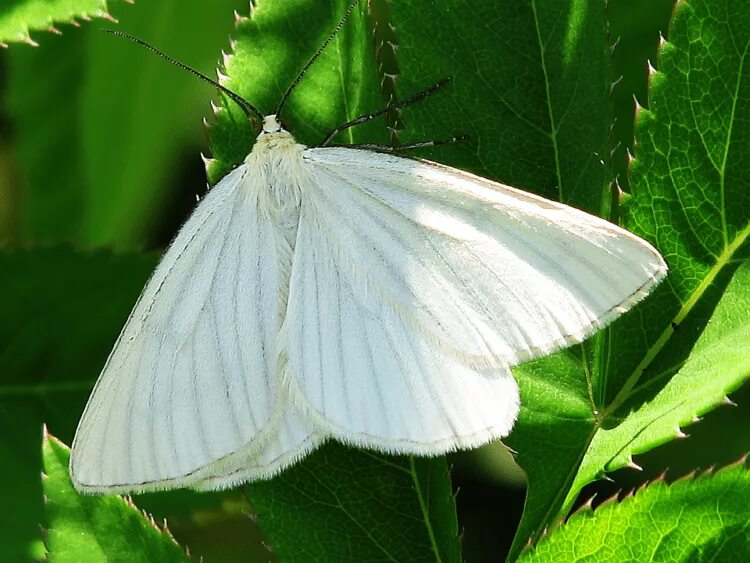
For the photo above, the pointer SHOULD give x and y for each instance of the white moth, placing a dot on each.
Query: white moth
(338, 293)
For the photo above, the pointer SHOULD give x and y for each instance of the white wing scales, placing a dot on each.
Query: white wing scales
(190, 379)
(370, 378)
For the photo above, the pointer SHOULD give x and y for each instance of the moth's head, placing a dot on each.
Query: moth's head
(271, 124)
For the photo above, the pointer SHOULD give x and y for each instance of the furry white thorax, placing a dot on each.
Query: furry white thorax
(274, 166)
(276, 178)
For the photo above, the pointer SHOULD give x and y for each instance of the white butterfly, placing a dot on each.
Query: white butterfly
(321, 293)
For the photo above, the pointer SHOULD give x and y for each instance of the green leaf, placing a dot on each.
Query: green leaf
(129, 144)
(96, 528)
(19, 17)
(353, 503)
(342, 504)
(695, 519)
(46, 134)
(718, 364)
(62, 311)
(690, 198)
(636, 25)
(100, 124)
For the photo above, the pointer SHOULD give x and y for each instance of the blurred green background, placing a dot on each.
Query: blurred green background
(100, 148)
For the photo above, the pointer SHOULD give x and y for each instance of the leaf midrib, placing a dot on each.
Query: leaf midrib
(553, 127)
(625, 392)
(722, 261)
(425, 509)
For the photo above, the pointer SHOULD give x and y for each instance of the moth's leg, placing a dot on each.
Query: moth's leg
(386, 109)
(399, 148)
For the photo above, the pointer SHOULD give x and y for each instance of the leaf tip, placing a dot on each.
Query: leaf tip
(109, 17)
(619, 193)
(587, 506)
(226, 58)
(726, 401)
(632, 464)
(630, 156)
(222, 78)
(640, 111)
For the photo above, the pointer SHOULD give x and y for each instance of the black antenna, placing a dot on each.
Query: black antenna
(302, 72)
(250, 110)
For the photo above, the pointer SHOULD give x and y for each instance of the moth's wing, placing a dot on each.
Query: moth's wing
(489, 270)
(192, 377)
(292, 440)
(415, 286)
(368, 375)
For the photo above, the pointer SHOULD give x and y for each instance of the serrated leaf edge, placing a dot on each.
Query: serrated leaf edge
(588, 510)
(127, 500)
(50, 26)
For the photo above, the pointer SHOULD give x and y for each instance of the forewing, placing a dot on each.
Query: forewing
(490, 271)
(191, 378)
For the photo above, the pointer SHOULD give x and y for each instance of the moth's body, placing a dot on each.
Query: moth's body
(275, 169)
(340, 293)
(275, 179)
